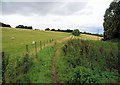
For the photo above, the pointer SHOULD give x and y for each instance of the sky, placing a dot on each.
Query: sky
(85, 15)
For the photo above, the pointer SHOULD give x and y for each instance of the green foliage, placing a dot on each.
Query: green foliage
(4, 25)
(31, 68)
(47, 29)
(85, 75)
(18, 68)
(24, 27)
(5, 62)
(76, 32)
(112, 21)
(41, 70)
(88, 62)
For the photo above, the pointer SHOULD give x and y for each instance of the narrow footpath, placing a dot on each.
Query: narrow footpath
(55, 77)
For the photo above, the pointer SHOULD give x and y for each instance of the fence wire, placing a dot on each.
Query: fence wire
(31, 48)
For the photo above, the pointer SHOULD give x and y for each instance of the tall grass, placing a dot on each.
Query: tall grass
(31, 68)
(85, 61)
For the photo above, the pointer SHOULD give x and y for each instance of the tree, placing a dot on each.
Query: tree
(68, 30)
(76, 32)
(4, 25)
(20, 26)
(58, 30)
(47, 29)
(112, 21)
(53, 30)
(29, 27)
(24, 27)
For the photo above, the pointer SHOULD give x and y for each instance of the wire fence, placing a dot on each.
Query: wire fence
(30, 48)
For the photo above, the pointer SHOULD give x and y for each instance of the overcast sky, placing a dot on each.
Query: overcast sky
(86, 15)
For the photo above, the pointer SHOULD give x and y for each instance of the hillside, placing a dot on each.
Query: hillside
(23, 36)
(61, 58)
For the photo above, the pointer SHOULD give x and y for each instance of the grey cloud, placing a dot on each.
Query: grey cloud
(70, 8)
(42, 8)
(26, 8)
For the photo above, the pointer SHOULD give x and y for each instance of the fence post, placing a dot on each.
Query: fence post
(35, 48)
(3, 54)
(40, 45)
(44, 43)
(26, 49)
(47, 41)
(3, 68)
(55, 43)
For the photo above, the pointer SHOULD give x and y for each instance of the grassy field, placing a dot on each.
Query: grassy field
(89, 37)
(82, 59)
(22, 37)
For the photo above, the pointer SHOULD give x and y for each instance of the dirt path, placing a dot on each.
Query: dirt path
(55, 78)
(54, 70)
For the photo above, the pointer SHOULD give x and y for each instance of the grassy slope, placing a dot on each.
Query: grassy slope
(89, 37)
(41, 71)
(67, 73)
(23, 37)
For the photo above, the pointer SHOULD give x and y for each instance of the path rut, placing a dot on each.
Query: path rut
(55, 77)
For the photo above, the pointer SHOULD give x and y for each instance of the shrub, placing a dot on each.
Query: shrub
(90, 61)
(16, 71)
(76, 32)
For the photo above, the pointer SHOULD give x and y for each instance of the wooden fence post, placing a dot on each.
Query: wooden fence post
(35, 48)
(55, 43)
(3, 68)
(44, 43)
(47, 41)
(26, 49)
(3, 54)
(40, 45)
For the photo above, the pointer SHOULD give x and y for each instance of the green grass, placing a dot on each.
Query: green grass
(22, 37)
(39, 71)
(88, 61)
(33, 68)
(83, 61)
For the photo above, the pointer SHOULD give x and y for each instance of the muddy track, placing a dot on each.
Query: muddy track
(55, 77)
(54, 70)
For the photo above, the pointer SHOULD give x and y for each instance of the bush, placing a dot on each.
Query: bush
(16, 71)
(90, 62)
(76, 32)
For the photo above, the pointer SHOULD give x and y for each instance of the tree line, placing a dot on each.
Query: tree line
(24, 27)
(75, 32)
(4, 25)
(59, 30)
(19, 26)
